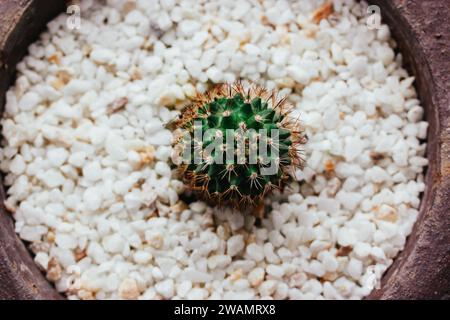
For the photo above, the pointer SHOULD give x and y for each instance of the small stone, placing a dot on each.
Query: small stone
(155, 239)
(77, 159)
(57, 156)
(163, 169)
(151, 64)
(197, 294)
(256, 277)
(280, 56)
(353, 148)
(198, 206)
(255, 252)
(92, 198)
(183, 288)
(316, 268)
(115, 148)
(267, 288)
(298, 74)
(189, 27)
(165, 288)
(218, 261)
(142, 257)
(346, 237)
(66, 241)
(362, 249)
(54, 270)
(102, 55)
(161, 138)
(53, 178)
(128, 289)
(331, 206)
(387, 213)
(354, 268)
(235, 244)
(215, 74)
(17, 165)
(275, 271)
(358, 67)
(42, 259)
(113, 243)
(377, 174)
(29, 101)
(415, 114)
(349, 200)
(196, 276)
(330, 263)
(92, 171)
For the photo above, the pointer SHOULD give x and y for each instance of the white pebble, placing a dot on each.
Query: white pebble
(17, 165)
(53, 178)
(255, 252)
(92, 171)
(102, 55)
(29, 101)
(298, 74)
(234, 245)
(92, 198)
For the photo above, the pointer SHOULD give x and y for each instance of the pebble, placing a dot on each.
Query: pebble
(165, 288)
(102, 55)
(298, 74)
(77, 159)
(275, 271)
(183, 288)
(17, 165)
(57, 156)
(353, 148)
(152, 64)
(415, 114)
(189, 27)
(114, 243)
(218, 261)
(29, 101)
(377, 174)
(128, 289)
(163, 169)
(197, 294)
(53, 178)
(255, 252)
(92, 199)
(196, 276)
(354, 268)
(142, 257)
(92, 171)
(267, 288)
(256, 276)
(235, 244)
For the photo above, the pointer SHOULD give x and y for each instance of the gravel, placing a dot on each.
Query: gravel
(86, 155)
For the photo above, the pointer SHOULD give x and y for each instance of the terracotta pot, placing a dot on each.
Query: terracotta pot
(421, 271)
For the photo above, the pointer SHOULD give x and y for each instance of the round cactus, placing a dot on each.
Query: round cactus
(236, 145)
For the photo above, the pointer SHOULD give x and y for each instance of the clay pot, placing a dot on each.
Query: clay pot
(421, 271)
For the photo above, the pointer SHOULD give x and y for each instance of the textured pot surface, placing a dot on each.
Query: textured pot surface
(421, 28)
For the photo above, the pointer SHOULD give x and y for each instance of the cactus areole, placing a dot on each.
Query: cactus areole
(234, 145)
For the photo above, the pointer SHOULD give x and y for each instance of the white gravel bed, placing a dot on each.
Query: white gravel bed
(86, 156)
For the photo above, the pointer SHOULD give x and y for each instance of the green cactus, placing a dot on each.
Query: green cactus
(246, 146)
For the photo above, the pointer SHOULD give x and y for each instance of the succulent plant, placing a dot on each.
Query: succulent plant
(236, 145)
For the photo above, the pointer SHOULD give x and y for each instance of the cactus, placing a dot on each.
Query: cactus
(254, 120)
